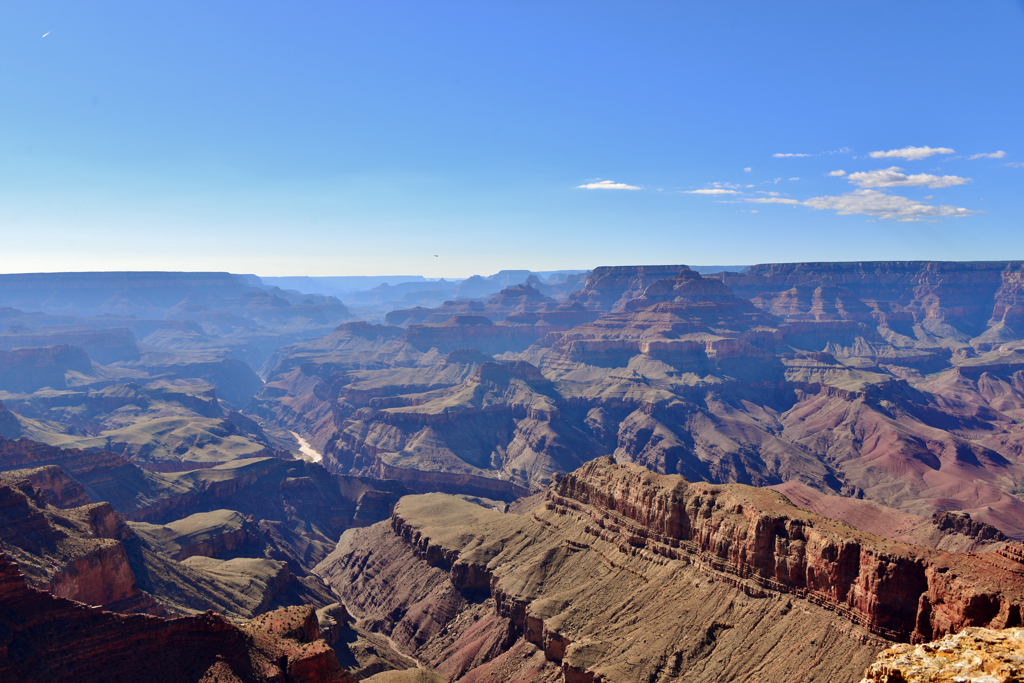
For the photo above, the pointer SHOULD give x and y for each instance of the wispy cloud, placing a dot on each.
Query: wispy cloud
(991, 155)
(885, 206)
(794, 179)
(894, 177)
(1017, 165)
(711, 190)
(787, 155)
(748, 169)
(837, 173)
(911, 153)
(770, 200)
(606, 185)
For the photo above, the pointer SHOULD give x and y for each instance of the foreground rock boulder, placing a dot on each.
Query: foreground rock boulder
(980, 655)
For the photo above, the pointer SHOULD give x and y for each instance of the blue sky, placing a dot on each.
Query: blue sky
(343, 138)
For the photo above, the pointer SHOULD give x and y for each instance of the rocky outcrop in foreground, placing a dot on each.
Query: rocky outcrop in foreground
(980, 655)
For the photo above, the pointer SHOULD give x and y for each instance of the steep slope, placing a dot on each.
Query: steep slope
(685, 336)
(627, 575)
(501, 425)
(75, 554)
(959, 294)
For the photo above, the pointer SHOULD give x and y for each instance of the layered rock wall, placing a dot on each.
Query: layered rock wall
(967, 295)
(905, 593)
(549, 595)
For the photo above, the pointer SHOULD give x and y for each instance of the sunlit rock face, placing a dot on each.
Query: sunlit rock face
(980, 655)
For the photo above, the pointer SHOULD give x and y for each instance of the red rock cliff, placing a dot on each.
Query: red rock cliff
(898, 591)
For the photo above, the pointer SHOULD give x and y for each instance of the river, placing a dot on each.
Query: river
(306, 450)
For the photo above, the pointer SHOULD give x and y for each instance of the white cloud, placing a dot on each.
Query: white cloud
(1017, 165)
(777, 180)
(993, 155)
(780, 155)
(773, 194)
(911, 153)
(753, 211)
(606, 185)
(893, 177)
(770, 200)
(837, 173)
(748, 169)
(794, 179)
(881, 205)
(841, 150)
(713, 190)
(748, 186)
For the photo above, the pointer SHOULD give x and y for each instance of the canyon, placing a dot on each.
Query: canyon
(630, 473)
(898, 383)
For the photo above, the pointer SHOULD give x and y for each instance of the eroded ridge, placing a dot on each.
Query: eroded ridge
(900, 592)
(624, 574)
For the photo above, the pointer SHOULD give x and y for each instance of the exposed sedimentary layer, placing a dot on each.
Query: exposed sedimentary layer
(578, 589)
(898, 591)
(626, 575)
